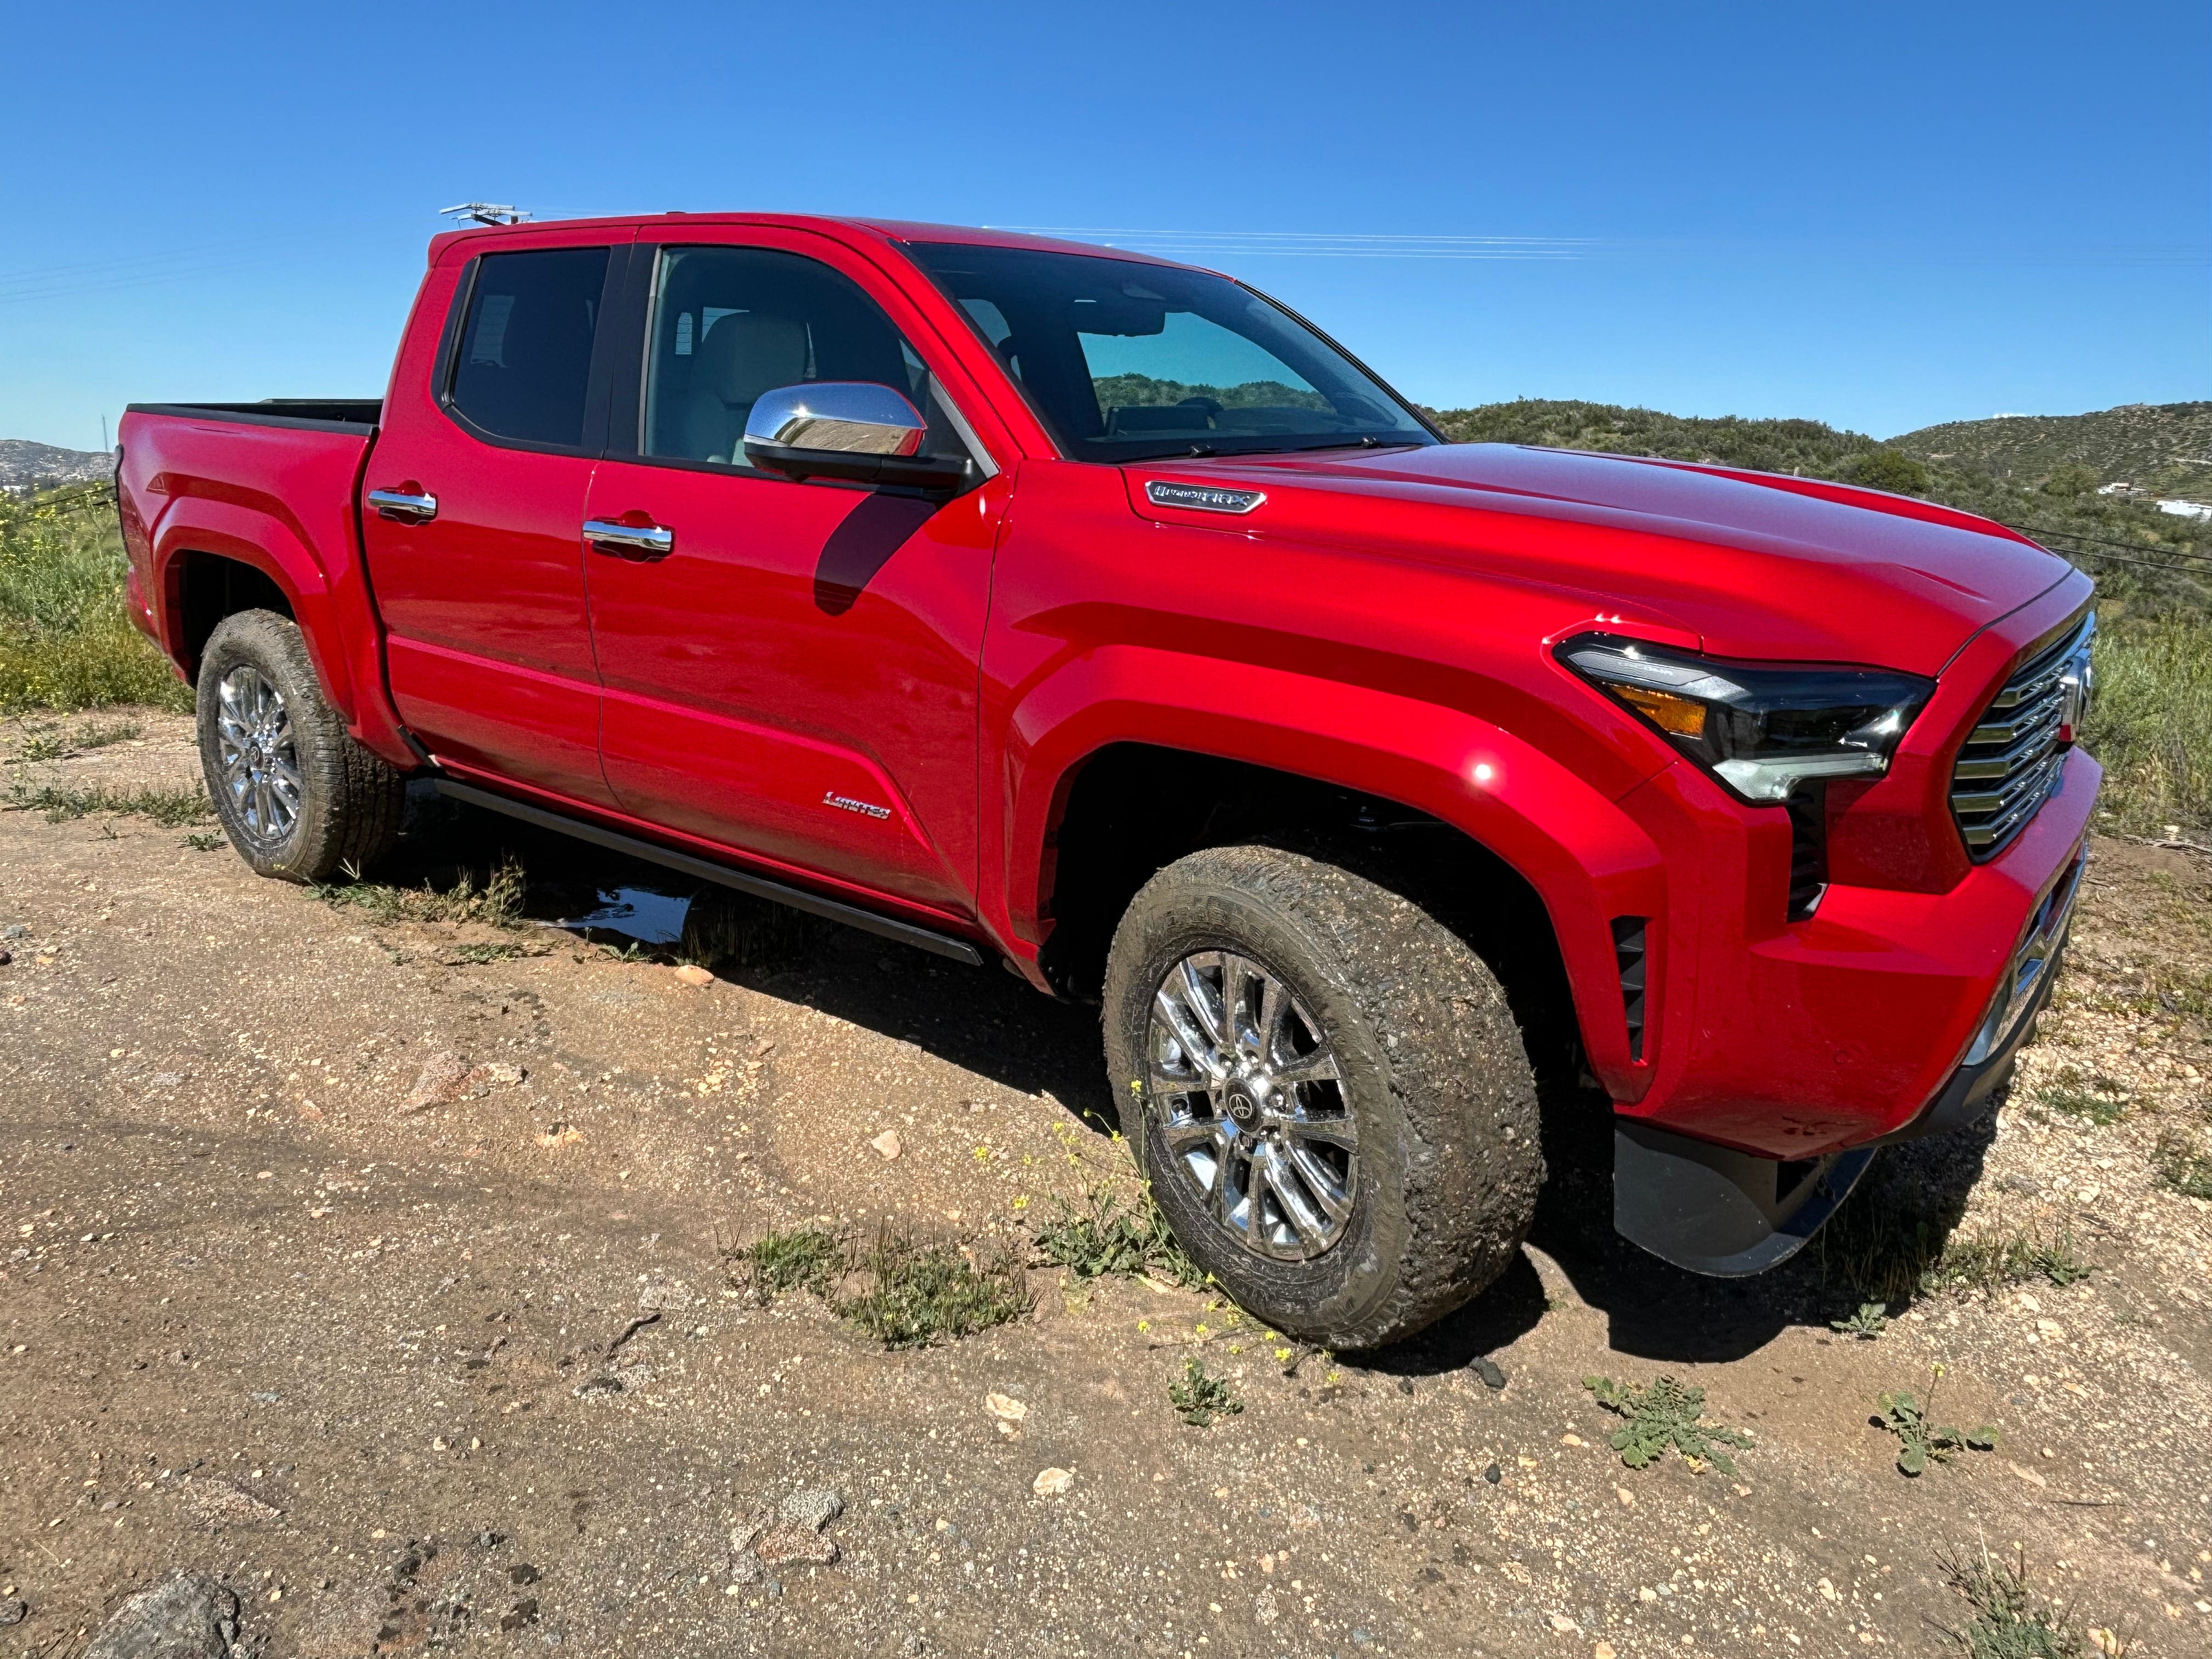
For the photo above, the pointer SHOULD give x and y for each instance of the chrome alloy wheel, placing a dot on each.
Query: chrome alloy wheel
(260, 759)
(1252, 1105)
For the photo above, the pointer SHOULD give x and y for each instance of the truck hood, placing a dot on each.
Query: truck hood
(1754, 564)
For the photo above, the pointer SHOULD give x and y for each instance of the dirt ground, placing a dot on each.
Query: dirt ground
(383, 1371)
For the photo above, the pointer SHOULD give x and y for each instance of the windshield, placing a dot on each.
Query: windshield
(1125, 362)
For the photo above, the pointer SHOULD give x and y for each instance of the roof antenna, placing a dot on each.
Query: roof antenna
(485, 213)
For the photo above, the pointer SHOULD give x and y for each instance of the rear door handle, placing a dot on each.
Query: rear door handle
(628, 539)
(404, 506)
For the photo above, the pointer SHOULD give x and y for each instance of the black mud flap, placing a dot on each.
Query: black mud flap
(1715, 1210)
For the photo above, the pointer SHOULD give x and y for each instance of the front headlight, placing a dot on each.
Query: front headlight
(1761, 729)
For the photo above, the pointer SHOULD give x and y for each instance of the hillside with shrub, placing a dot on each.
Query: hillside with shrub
(2163, 449)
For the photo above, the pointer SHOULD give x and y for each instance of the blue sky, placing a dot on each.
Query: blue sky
(1881, 215)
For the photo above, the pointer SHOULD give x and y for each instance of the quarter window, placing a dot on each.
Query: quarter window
(524, 365)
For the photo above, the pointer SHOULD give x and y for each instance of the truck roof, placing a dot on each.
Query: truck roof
(894, 230)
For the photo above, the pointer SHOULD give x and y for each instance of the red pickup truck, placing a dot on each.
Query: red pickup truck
(1097, 615)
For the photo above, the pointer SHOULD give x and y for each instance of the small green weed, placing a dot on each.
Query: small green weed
(170, 808)
(1104, 1234)
(2097, 1099)
(1666, 1414)
(916, 1291)
(42, 746)
(97, 736)
(1198, 1397)
(2010, 1619)
(2183, 1164)
(1868, 1323)
(202, 841)
(790, 1259)
(1920, 1439)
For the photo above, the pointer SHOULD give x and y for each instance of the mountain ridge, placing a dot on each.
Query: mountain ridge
(27, 465)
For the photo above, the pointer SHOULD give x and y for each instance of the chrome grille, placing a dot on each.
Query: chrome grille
(2011, 760)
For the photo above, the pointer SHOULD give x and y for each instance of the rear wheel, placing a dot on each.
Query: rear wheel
(1326, 1089)
(299, 798)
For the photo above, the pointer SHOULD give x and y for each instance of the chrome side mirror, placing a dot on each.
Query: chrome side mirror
(852, 430)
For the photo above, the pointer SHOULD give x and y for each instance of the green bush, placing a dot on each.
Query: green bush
(65, 640)
(1892, 470)
(2151, 725)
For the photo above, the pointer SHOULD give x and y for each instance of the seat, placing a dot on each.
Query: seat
(744, 355)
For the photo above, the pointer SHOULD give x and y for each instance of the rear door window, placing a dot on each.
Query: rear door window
(522, 367)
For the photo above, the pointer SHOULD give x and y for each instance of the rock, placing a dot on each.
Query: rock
(6, 957)
(1010, 1412)
(1493, 1474)
(1264, 1610)
(1486, 1369)
(815, 1508)
(219, 1503)
(1561, 1623)
(14, 930)
(1053, 1483)
(445, 1077)
(1627, 1497)
(888, 1145)
(190, 1617)
(692, 974)
(13, 1612)
(500, 1071)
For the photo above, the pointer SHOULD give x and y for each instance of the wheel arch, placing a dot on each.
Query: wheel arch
(1125, 716)
(215, 558)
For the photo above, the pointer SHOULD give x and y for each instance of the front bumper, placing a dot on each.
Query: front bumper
(1922, 990)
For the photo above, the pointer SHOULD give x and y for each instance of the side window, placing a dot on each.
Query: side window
(524, 362)
(731, 323)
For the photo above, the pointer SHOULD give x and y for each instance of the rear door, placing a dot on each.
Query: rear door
(475, 494)
(795, 677)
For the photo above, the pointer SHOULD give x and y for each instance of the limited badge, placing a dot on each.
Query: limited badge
(1202, 498)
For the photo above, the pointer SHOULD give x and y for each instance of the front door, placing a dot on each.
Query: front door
(474, 494)
(795, 676)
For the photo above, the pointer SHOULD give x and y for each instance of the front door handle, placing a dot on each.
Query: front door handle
(404, 505)
(629, 540)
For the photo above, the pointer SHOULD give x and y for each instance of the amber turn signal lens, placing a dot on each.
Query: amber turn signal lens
(1685, 717)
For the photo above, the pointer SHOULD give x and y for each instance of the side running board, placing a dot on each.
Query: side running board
(907, 933)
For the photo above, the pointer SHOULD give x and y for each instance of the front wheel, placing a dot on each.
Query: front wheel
(1326, 1089)
(298, 797)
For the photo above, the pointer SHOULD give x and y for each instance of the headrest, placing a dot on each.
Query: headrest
(745, 354)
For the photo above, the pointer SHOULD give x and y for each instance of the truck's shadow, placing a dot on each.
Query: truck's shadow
(995, 1025)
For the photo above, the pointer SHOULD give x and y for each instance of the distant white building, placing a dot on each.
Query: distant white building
(2186, 509)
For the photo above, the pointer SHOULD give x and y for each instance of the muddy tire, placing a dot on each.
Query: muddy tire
(1355, 1153)
(298, 797)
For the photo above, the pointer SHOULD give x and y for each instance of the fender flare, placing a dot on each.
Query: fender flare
(264, 541)
(1587, 859)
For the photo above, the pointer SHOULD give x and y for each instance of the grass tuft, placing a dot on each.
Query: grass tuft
(2094, 1098)
(170, 808)
(1666, 1414)
(1105, 1234)
(916, 1292)
(790, 1259)
(2183, 1164)
(2009, 1619)
(497, 903)
(1198, 1397)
